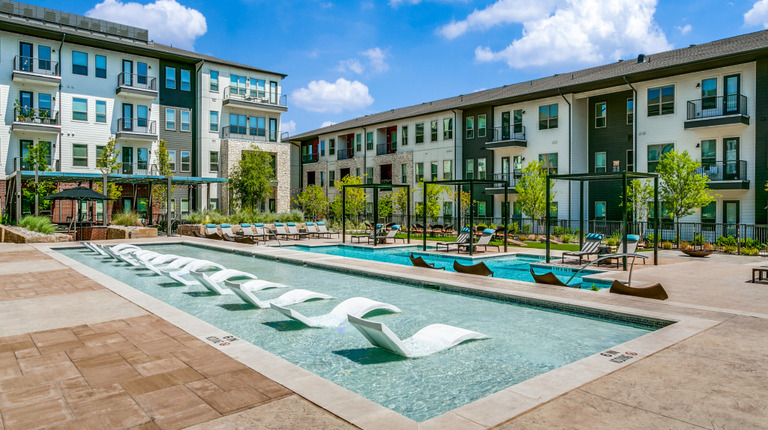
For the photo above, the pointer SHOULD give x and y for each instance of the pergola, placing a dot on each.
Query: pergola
(375, 188)
(609, 176)
(471, 183)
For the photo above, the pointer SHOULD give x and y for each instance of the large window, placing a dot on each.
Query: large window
(433, 171)
(433, 129)
(186, 162)
(470, 127)
(214, 161)
(469, 169)
(481, 125)
(79, 63)
(101, 66)
(708, 154)
(214, 121)
(186, 81)
(548, 117)
(600, 210)
(172, 160)
(79, 155)
(101, 111)
(599, 162)
(447, 128)
(655, 152)
(258, 88)
(143, 158)
(332, 178)
(420, 132)
(214, 85)
(369, 141)
(369, 175)
(661, 101)
(630, 111)
(550, 163)
(481, 168)
(170, 78)
(185, 126)
(358, 140)
(404, 136)
(447, 170)
(258, 127)
(709, 216)
(44, 104)
(600, 115)
(79, 109)
(404, 173)
(170, 119)
(273, 129)
(419, 172)
(331, 146)
(237, 84)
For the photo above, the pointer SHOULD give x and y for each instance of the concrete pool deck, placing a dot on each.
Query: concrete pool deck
(79, 351)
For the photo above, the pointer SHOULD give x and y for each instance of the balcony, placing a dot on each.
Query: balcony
(726, 175)
(138, 168)
(310, 158)
(508, 137)
(714, 111)
(29, 70)
(240, 97)
(248, 133)
(27, 120)
(509, 178)
(345, 153)
(386, 148)
(131, 84)
(136, 129)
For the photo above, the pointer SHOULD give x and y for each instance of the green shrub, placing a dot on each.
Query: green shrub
(750, 243)
(699, 240)
(205, 217)
(666, 244)
(750, 251)
(566, 238)
(40, 224)
(526, 228)
(594, 288)
(559, 231)
(514, 228)
(611, 241)
(723, 241)
(127, 219)
(729, 249)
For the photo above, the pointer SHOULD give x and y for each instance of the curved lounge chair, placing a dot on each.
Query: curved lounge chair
(429, 340)
(419, 262)
(213, 282)
(168, 266)
(475, 269)
(177, 273)
(655, 291)
(139, 257)
(356, 306)
(246, 292)
(547, 278)
(93, 248)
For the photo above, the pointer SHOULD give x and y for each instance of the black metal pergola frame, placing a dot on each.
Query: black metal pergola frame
(375, 188)
(608, 176)
(471, 183)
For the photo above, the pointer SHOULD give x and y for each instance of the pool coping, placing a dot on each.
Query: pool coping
(488, 411)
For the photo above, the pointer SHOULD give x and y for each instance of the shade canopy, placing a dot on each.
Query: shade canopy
(77, 193)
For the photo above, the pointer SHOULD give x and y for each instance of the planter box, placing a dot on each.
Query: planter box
(93, 233)
(189, 229)
(119, 232)
(14, 236)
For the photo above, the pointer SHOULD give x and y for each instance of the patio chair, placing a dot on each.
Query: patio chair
(475, 269)
(292, 229)
(655, 291)
(212, 232)
(484, 241)
(419, 262)
(367, 237)
(282, 232)
(547, 278)
(312, 230)
(227, 233)
(437, 230)
(247, 235)
(324, 230)
(632, 240)
(390, 235)
(261, 232)
(417, 229)
(591, 247)
(463, 237)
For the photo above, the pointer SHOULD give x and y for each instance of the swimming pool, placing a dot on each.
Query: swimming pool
(508, 267)
(524, 341)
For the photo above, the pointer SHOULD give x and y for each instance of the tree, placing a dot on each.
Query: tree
(432, 199)
(639, 197)
(313, 202)
(356, 198)
(531, 190)
(682, 189)
(160, 191)
(251, 179)
(108, 162)
(38, 159)
(385, 204)
(400, 200)
(463, 199)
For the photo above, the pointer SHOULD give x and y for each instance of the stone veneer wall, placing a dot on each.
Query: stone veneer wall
(230, 155)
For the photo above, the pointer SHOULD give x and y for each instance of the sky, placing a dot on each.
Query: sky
(346, 59)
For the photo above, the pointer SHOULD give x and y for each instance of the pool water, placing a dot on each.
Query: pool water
(508, 267)
(524, 341)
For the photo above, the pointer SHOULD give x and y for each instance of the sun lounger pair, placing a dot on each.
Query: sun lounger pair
(462, 238)
(484, 241)
(320, 230)
(591, 247)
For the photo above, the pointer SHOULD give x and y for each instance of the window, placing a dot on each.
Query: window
(630, 160)
(184, 120)
(99, 151)
(184, 206)
(548, 117)
(481, 208)
(257, 125)
(469, 169)
(447, 170)
(630, 111)
(44, 57)
(481, 125)
(332, 178)
(550, 163)
(447, 128)
(79, 63)
(369, 175)
(101, 66)
(420, 132)
(404, 136)
(258, 88)
(517, 122)
(185, 161)
(331, 146)
(172, 160)
(214, 204)
(143, 158)
(170, 78)
(214, 85)
(553, 210)
(357, 172)
(273, 92)
(481, 168)
(600, 210)
(79, 109)
(433, 128)
(448, 209)
(358, 139)
(599, 162)
(419, 172)
(185, 80)
(404, 173)
(709, 93)
(214, 121)
(470, 127)
(101, 111)
(273, 129)
(433, 171)
(237, 85)
(170, 119)
(708, 154)
(141, 73)
(214, 161)
(661, 101)
(655, 152)
(79, 155)
(322, 147)
(709, 215)
(44, 105)
(369, 141)
(600, 115)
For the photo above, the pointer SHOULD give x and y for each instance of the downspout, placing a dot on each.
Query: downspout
(570, 155)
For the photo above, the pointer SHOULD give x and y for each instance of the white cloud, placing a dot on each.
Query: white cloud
(327, 124)
(375, 60)
(167, 21)
(501, 12)
(352, 65)
(685, 29)
(334, 97)
(758, 15)
(289, 126)
(584, 31)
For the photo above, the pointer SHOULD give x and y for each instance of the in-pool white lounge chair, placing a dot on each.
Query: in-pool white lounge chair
(115, 251)
(177, 273)
(139, 257)
(247, 289)
(90, 246)
(356, 306)
(168, 266)
(429, 340)
(123, 254)
(214, 281)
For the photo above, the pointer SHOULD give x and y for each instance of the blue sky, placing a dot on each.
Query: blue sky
(346, 59)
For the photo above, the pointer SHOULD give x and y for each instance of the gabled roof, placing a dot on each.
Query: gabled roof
(719, 53)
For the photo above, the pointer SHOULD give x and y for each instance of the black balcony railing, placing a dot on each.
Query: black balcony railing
(136, 125)
(510, 178)
(345, 153)
(255, 95)
(735, 170)
(133, 80)
(711, 107)
(36, 116)
(36, 65)
(310, 158)
(386, 148)
(512, 132)
(247, 133)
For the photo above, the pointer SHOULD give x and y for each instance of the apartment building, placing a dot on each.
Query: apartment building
(709, 100)
(73, 83)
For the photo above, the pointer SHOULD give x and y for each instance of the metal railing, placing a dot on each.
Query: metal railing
(345, 153)
(735, 170)
(133, 80)
(36, 65)
(255, 95)
(136, 125)
(246, 133)
(39, 116)
(509, 177)
(310, 158)
(138, 168)
(512, 132)
(386, 148)
(710, 107)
